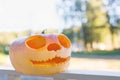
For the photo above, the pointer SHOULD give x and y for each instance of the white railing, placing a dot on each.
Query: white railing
(9, 74)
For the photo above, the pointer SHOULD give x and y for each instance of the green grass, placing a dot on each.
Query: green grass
(3, 58)
(96, 53)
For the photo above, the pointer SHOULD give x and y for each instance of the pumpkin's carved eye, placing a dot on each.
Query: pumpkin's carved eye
(64, 41)
(36, 42)
(53, 47)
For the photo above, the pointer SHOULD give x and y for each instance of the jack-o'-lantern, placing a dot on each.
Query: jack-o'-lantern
(41, 54)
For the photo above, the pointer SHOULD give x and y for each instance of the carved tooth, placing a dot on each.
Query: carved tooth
(33, 59)
(50, 58)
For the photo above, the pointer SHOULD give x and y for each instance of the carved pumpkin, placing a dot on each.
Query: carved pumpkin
(41, 54)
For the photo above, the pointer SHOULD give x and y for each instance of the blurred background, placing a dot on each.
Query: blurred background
(93, 26)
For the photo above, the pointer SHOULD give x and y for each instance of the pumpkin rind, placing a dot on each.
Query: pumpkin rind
(40, 54)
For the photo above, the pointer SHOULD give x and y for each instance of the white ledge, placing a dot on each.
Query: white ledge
(70, 74)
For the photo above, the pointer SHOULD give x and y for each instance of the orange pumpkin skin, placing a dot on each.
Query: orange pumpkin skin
(41, 54)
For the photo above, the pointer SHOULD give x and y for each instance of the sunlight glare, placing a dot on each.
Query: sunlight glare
(28, 14)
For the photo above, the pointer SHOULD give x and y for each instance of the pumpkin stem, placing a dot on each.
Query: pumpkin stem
(44, 31)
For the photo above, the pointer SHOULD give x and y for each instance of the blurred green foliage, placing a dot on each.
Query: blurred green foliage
(95, 31)
(96, 53)
(7, 38)
(98, 30)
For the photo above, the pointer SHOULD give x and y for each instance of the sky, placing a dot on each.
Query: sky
(17, 15)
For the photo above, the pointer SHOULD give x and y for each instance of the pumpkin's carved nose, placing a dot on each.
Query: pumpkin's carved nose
(53, 47)
(36, 42)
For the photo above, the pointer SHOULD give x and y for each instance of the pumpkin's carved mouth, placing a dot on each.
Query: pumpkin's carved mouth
(53, 61)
